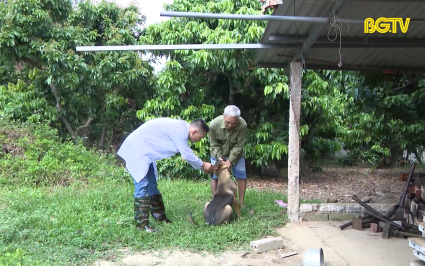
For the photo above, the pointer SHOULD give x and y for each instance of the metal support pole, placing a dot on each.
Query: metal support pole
(253, 17)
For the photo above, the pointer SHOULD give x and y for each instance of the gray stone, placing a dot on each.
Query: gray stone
(306, 208)
(267, 244)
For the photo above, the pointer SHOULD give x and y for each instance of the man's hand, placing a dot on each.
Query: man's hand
(207, 168)
(229, 164)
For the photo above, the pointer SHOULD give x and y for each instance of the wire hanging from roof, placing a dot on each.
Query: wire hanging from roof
(333, 21)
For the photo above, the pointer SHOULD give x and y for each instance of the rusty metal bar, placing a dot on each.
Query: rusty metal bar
(376, 214)
(402, 199)
(366, 218)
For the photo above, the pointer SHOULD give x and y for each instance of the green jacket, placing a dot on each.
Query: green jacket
(224, 143)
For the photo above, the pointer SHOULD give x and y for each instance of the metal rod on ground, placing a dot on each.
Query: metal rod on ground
(254, 17)
(383, 218)
(350, 223)
(411, 226)
(370, 210)
(375, 213)
(407, 234)
(409, 180)
(402, 199)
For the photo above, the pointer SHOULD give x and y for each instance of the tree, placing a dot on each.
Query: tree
(384, 116)
(215, 78)
(94, 94)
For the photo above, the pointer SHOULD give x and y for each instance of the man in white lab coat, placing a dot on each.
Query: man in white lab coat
(155, 140)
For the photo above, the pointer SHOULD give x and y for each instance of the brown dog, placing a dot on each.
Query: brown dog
(219, 209)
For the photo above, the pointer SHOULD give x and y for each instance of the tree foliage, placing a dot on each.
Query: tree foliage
(103, 96)
(205, 81)
(93, 95)
(385, 117)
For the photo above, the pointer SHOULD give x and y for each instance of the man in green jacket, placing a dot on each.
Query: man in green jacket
(227, 139)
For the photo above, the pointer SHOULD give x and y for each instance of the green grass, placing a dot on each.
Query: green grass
(83, 222)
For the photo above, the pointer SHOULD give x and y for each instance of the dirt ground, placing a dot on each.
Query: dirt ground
(340, 248)
(339, 184)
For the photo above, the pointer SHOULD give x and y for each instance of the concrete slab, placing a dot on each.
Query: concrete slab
(342, 216)
(315, 217)
(345, 247)
(342, 207)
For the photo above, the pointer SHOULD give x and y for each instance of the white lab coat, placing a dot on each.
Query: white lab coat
(155, 140)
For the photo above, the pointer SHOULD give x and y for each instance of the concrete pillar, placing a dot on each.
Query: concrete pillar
(294, 142)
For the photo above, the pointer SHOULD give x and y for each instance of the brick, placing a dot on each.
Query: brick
(374, 227)
(403, 176)
(358, 224)
(267, 244)
(342, 216)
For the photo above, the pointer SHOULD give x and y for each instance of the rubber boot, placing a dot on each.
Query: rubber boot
(158, 209)
(141, 214)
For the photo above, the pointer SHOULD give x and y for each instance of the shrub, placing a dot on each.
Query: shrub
(33, 154)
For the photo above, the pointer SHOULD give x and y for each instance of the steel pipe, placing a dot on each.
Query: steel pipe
(181, 47)
(254, 17)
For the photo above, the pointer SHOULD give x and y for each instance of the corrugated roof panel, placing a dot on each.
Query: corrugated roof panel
(385, 57)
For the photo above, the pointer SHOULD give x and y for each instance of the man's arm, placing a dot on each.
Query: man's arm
(238, 148)
(215, 146)
(185, 151)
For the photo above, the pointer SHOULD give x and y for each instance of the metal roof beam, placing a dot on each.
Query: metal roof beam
(324, 45)
(285, 39)
(317, 30)
(349, 42)
(348, 68)
(321, 20)
(183, 47)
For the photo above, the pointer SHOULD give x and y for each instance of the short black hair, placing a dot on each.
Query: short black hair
(200, 124)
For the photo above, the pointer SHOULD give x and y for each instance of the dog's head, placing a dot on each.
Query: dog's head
(220, 166)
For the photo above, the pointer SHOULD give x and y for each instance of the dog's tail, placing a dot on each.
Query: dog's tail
(191, 219)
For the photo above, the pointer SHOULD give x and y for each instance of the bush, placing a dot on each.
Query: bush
(33, 154)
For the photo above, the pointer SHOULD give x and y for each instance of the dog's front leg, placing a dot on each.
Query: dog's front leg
(236, 204)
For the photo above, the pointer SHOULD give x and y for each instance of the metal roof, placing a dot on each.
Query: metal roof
(359, 51)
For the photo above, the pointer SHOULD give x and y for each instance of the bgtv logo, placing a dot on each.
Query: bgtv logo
(384, 25)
